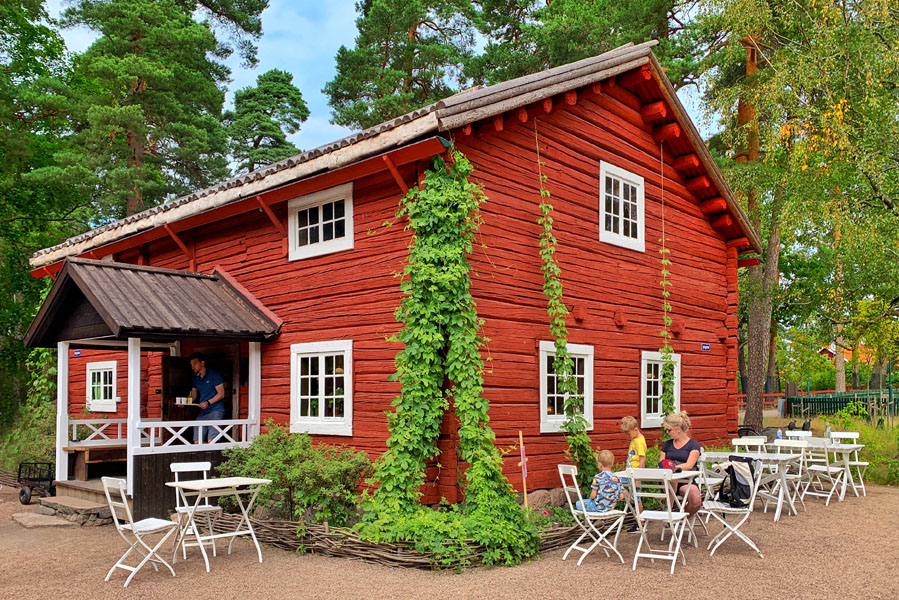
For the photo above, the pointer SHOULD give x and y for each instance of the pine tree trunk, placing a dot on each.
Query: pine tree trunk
(741, 359)
(839, 362)
(771, 377)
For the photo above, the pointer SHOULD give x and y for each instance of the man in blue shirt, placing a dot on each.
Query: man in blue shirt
(207, 393)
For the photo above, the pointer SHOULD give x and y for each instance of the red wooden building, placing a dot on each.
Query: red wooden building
(309, 246)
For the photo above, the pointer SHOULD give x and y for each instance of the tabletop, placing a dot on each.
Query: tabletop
(675, 476)
(762, 456)
(197, 485)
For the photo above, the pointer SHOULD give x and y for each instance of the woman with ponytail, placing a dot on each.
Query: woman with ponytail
(684, 452)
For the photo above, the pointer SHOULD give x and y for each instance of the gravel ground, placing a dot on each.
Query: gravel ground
(847, 550)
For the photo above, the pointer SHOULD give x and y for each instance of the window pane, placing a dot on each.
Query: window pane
(339, 209)
(313, 215)
(329, 364)
(327, 231)
(549, 364)
(339, 228)
(304, 365)
(328, 211)
(302, 220)
(313, 365)
(303, 238)
(313, 235)
(338, 407)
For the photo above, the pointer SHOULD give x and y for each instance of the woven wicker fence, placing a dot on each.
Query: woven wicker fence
(344, 543)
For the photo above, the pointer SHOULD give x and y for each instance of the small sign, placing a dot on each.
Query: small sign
(76, 353)
(706, 347)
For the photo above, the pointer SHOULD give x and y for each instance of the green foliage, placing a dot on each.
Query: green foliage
(405, 56)
(442, 344)
(262, 117)
(310, 482)
(575, 426)
(551, 516)
(31, 436)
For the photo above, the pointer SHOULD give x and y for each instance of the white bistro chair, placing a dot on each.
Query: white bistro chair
(657, 483)
(796, 479)
(752, 445)
(721, 511)
(608, 522)
(822, 476)
(204, 511)
(839, 437)
(134, 533)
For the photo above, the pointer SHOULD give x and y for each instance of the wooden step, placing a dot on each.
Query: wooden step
(90, 490)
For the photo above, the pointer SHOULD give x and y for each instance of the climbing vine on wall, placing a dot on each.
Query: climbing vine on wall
(667, 375)
(575, 426)
(441, 335)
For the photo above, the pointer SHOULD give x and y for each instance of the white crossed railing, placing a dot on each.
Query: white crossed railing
(100, 432)
(162, 437)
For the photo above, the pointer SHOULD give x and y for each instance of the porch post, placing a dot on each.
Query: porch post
(133, 407)
(254, 404)
(62, 410)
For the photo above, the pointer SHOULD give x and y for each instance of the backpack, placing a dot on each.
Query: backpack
(739, 473)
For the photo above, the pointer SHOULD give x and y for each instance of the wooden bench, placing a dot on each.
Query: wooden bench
(87, 455)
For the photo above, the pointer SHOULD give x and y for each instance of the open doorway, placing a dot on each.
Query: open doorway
(177, 379)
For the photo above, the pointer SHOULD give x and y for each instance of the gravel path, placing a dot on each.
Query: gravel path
(847, 550)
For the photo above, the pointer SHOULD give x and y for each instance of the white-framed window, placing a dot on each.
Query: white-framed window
(321, 387)
(101, 386)
(621, 207)
(651, 388)
(552, 401)
(321, 222)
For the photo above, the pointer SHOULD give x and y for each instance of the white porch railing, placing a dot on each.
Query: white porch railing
(161, 437)
(100, 432)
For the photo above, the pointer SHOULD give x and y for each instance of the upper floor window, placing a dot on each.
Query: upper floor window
(101, 386)
(552, 399)
(321, 222)
(651, 388)
(321, 387)
(621, 207)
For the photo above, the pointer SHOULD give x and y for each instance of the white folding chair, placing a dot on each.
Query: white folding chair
(796, 479)
(134, 533)
(838, 437)
(752, 445)
(588, 521)
(822, 477)
(203, 511)
(720, 511)
(656, 483)
(797, 433)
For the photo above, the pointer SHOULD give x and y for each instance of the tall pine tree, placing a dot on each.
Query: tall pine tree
(262, 117)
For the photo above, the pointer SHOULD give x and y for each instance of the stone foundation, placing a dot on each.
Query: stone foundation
(76, 510)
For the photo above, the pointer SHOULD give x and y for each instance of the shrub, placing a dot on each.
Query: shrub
(315, 483)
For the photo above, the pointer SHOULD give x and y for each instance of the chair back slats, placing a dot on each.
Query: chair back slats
(749, 445)
(189, 467)
(652, 483)
(797, 433)
(837, 437)
(115, 487)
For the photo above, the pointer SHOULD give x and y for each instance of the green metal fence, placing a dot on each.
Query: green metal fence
(879, 401)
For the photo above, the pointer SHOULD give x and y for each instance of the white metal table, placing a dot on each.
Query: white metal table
(202, 489)
(846, 450)
(777, 465)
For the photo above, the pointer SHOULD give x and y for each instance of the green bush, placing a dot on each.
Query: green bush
(313, 483)
(31, 434)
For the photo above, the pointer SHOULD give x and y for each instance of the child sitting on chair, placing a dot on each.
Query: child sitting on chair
(605, 490)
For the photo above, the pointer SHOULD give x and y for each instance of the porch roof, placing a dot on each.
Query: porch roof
(105, 301)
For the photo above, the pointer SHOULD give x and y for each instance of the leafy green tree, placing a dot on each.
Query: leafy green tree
(407, 55)
(262, 117)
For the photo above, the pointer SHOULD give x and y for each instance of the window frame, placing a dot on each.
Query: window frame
(619, 239)
(647, 419)
(553, 423)
(339, 192)
(105, 405)
(322, 425)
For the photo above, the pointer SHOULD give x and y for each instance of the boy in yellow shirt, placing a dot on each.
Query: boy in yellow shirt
(636, 451)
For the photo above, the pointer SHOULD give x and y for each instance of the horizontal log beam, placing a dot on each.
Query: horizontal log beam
(667, 132)
(740, 242)
(686, 162)
(722, 221)
(635, 78)
(699, 183)
(713, 206)
(654, 111)
(748, 262)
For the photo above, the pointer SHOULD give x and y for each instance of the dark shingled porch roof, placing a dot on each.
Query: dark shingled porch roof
(109, 301)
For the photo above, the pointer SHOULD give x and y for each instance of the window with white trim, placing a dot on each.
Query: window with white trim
(101, 386)
(651, 388)
(320, 223)
(621, 207)
(552, 401)
(321, 387)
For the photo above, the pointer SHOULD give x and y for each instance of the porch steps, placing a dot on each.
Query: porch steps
(76, 510)
(90, 490)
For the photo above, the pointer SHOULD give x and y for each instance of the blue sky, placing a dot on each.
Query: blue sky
(302, 37)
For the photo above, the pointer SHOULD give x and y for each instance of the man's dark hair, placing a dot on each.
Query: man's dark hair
(198, 355)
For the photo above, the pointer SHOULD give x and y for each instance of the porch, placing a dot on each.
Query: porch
(144, 313)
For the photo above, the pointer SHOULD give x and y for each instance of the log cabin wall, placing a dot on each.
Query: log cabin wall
(353, 294)
(150, 381)
(599, 279)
